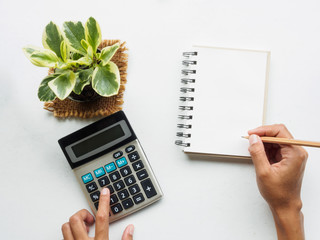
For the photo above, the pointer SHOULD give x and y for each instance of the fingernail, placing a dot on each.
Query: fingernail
(104, 191)
(131, 229)
(253, 139)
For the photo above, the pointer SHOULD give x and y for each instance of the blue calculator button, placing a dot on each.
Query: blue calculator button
(87, 178)
(110, 167)
(121, 162)
(99, 172)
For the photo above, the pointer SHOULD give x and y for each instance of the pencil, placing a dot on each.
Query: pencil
(288, 141)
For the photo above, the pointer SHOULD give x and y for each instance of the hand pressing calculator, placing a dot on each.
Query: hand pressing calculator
(107, 153)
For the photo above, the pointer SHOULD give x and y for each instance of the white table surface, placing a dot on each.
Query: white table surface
(203, 199)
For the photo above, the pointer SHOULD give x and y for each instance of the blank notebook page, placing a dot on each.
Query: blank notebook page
(229, 99)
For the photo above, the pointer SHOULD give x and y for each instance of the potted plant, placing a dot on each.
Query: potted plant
(81, 71)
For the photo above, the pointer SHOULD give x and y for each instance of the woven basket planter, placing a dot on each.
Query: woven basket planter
(101, 107)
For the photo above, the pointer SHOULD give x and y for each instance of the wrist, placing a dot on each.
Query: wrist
(289, 221)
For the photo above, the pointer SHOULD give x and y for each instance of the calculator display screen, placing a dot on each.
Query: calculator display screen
(98, 140)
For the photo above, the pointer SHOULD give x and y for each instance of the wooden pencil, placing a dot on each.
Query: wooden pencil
(288, 141)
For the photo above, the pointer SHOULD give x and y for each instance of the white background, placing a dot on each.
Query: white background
(203, 199)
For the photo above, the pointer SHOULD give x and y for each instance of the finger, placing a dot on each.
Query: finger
(258, 154)
(78, 223)
(128, 233)
(102, 216)
(276, 130)
(66, 232)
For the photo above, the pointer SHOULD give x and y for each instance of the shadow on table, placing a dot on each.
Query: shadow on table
(219, 158)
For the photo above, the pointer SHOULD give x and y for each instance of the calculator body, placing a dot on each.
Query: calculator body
(107, 153)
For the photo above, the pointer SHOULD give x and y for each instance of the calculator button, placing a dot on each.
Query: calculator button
(118, 154)
(91, 187)
(142, 174)
(110, 167)
(127, 203)
(148, 188)
(119, 185)
(130, 148)
(99, 172)
(116, 208)
(121, 162)
(110, 189)
(134, 189)
(113, 199)
(130, 180)
(96, 205)
(125, 171)
(137, 165)
(103, 181)
(114, 176)
(133, 156)
(87, 178)
(95, 196)
(138, 198)
(123, 194)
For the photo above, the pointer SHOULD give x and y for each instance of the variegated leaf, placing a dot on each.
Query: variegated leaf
(28, 50)
(42, 57)
(93, 33)
(82, 79)
(45, 93)
(52, 38)
(63, 84)
(74, 33)
(64, 51)
(106, 79)
(108, 52)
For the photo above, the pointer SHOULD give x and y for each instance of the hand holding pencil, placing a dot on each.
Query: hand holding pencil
(279, 171)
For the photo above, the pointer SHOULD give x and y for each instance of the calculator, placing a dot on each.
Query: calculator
(107, 153)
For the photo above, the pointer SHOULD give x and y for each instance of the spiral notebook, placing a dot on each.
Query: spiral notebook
(223, 95)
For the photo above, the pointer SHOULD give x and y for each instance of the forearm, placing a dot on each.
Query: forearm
(289, 223)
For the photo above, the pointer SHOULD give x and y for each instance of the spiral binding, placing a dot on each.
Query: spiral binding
(181, 134)
(183, 144)
(188, 117)
(186, 99)
(188, 81)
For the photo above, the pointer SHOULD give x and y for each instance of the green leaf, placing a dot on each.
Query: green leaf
(84, 44)
(76, 56)
(63, 84)
(45, 94)
(41, 57)
(82, 79)
(87, 47)
(28, 50)
(93, 33)
(52, 38)
(108, 52)
(83, 61)
(90, 52)
(74, 33)
(64, 51)
(106, 79)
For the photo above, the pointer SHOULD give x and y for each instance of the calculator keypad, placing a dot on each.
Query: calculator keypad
(142, 174)
(91, 187)
(133, 156)
(114, 176)
(137, 165)
(103, 181)
(125, 171)
(126, 177)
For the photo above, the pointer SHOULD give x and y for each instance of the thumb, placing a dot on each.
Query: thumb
(258, 154)
(128, 233)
